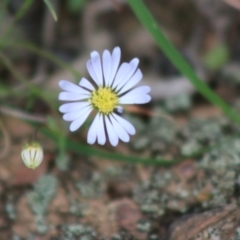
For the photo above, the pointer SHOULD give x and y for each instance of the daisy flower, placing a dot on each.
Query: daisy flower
(111, 87)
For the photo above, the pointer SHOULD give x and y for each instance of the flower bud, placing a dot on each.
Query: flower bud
(32, 154)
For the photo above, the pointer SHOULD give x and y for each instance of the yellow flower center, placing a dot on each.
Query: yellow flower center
(104, 100)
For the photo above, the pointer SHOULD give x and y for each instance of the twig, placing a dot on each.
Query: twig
(139, 110)
(22, 115)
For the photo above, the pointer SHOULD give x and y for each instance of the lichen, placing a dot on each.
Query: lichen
(218, 169)
(180, 102)
(77, 231)
(10, 208)
(92, 187)
(237, 235)
(39, 199)
(144, 225)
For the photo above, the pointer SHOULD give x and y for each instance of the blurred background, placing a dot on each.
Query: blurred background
(178, 177)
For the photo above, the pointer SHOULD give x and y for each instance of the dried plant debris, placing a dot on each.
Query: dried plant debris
(39, 199)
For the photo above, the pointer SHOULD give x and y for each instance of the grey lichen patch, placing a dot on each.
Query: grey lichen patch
(157, 135)
(203, 131)
(39, 199)
(221, 166)
(237, 235)
(144, 225)
(160, 136)
(122, 235)
(163, 127)
(151, 196)
(10, 208)
(182, 102)
(200, 134)
(119, 171)
(77, 231)
(211, 182)
(190, 147)
(78, 208)
(92, 187)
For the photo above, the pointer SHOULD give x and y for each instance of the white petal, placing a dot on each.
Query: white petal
(121, 132)
(136, 78)
(26, 155)
(133, 66)
(39, 156)
(77, 123)
(122, 72)
(85, 83)
(92, 133)
(92, 72)
(71, 87)
(126, 125)
(113, 138)
(97, 66)
(107, 65)
(67, 96)
(116, 55)
(32, 154)
(137, 95)
(69, 107)
(70, 116)
(101, 136)
(135, 99)
(138, 91)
